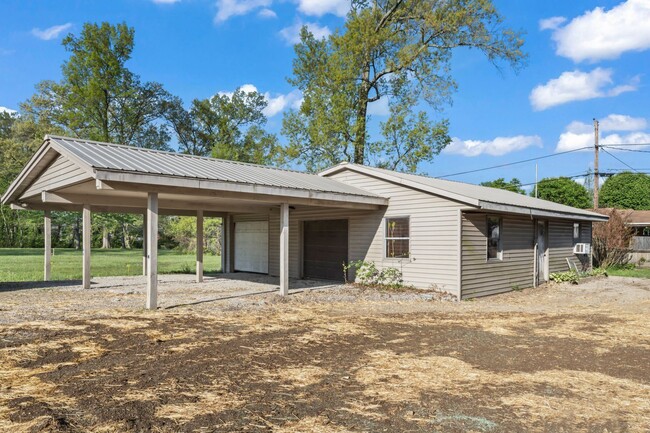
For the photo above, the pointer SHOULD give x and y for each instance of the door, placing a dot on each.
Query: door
(252, 246)
(325, 249)
(541, 266)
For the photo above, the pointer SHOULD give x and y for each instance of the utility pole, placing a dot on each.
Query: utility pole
(596, 179)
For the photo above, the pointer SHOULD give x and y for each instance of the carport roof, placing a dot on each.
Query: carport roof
(108, 162)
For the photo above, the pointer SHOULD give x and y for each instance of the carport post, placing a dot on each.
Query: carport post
(223, 243)
(47, 237)
(144, 244)
(86, 234)
(284, 249)
(199, 246)
(152, 251)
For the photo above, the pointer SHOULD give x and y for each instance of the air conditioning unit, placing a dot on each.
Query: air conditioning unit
(581, 248)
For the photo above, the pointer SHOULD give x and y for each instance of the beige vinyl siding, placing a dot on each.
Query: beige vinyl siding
(433, 232)
(481, 277)
(62, 172)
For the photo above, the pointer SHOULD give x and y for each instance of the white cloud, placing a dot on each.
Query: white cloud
(321, 7)
(580, 134)
(601, 34)
(230, 8)
(267, 13)
(291, 34)
(551, 23)
(165, 2)
(497, 147)
(578, 86)
(7, 110)
(51, 32)
(380, 107)
(275, 104)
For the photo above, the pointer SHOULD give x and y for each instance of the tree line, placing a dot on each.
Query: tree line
(399, 50)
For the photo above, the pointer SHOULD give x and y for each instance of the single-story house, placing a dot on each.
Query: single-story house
(464, 239)
(639, 223)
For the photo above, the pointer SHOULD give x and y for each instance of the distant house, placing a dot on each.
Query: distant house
(465, 239)
(639, 221)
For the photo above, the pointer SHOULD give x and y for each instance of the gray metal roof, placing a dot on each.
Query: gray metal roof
(478, 195)
(114, 157)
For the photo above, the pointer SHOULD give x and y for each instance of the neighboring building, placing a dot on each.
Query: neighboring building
(639, 221)
(464, 239)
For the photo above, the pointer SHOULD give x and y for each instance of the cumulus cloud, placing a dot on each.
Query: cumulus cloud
(321, 7)
(601, 34)
(580, 134)
(267, 13)
(7, 110)
(50, 32)
(230, 8)
(578, 86)
(551, 23)
(380, 107)
(276, 103)
(496, 147)
(291, 34)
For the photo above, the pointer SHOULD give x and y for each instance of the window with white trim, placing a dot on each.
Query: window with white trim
(397, 237)
(576, 233)
(494, 248)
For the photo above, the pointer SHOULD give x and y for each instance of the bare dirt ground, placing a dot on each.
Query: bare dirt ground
(231, 355)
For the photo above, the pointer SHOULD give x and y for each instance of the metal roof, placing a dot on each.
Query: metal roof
(114, 157)
(475, 195)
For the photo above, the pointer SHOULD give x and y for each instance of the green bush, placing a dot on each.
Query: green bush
(565, 277)
(367, 274)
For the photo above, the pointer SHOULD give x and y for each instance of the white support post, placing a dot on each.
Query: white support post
(144, 244)
(227, 249)
(284, 249)
(223, 244)
(199, 246)
(86, 230)
(47, 237)
(152, 251)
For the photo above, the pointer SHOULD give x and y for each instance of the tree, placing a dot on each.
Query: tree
(513, 185)
(225, 126)
(611, 240)
(564, 191)
(395, 49)
(99, 98)
(626, 191)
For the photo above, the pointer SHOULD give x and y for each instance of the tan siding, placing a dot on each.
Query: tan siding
(62, 172)
(433, 237)
(481, 277)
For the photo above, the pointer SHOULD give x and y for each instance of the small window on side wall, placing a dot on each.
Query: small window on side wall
(576, 233)
(494, 250)
(397, 237)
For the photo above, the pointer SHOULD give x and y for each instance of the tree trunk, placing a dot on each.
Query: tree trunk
(76, 242)
(106, 240)
(126, 242)
(362, 113)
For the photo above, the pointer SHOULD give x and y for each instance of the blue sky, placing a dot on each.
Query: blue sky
(587, 59)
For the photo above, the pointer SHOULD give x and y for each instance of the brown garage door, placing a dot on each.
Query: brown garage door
(325, 249)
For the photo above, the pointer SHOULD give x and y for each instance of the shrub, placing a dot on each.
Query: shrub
(367, 274)
(565, 277)
(611, 241)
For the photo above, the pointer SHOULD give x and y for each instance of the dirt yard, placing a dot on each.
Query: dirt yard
(231, 355)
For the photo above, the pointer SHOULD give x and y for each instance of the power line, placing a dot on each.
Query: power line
(623, 144)
(634, 150)
(513, 163)
(621, 161)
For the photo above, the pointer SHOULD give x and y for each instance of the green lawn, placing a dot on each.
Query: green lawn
(26, 264)
(636, 272)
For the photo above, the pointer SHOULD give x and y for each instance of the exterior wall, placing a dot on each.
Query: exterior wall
(481, 277)
(560, 245)
(434, 232)
(61, 171)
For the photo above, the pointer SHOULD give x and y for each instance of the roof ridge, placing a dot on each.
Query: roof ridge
(167, 152)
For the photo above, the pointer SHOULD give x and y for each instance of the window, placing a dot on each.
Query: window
(576, 233)
(397, 237)
(494, 250)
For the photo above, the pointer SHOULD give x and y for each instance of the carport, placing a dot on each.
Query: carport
(67, 174)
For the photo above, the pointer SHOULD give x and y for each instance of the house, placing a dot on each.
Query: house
(464, 239)
(639, 222)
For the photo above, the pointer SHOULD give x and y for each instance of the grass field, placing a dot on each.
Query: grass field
(26, 264)
(636, 272)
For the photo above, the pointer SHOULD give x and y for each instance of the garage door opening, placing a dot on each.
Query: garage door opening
(252, 246)
(325, 249)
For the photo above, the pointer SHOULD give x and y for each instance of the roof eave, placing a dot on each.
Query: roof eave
(532, 212)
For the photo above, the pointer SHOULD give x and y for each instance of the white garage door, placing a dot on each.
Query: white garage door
(252, 246)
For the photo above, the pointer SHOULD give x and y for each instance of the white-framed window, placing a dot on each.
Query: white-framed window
(494, 245)
(397, 237)
(576, 233)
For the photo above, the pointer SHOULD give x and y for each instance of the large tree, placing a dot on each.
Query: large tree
(99, 98)
(227, 126)
(564, 191)
(513, 185)
(395, 49)
(626, 191)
